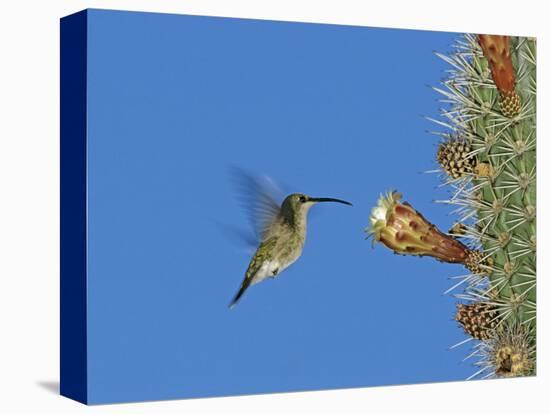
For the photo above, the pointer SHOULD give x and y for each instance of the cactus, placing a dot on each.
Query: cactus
(491, 108)
(488, 160)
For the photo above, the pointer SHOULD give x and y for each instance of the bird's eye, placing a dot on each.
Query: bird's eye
(302, 199)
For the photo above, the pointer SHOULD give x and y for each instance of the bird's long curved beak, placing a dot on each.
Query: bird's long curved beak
(328, 199)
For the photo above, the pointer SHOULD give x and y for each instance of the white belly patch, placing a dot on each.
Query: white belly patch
(268, 269)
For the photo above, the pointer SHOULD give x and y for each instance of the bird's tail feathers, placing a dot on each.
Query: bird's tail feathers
(245, 285)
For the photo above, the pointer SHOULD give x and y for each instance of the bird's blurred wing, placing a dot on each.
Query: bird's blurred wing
(245, 239)
(258, 195)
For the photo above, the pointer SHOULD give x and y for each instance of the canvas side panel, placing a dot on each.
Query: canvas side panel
(73, 370)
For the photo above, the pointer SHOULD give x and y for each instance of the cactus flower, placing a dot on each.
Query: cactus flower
(404, 230)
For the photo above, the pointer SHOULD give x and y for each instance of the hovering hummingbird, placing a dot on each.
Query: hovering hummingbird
(282, 232)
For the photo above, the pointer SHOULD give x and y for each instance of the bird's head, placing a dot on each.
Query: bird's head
(299, 202)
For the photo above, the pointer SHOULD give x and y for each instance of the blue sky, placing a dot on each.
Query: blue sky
(336, 111)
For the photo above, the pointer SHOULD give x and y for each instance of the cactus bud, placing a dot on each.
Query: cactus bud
(497, 51)
(454, 157)
(478, 319)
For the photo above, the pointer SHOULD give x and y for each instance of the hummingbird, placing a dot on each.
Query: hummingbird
(282, 233)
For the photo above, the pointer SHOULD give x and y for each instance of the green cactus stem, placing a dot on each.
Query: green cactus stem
(497, 201)
(488, 155)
